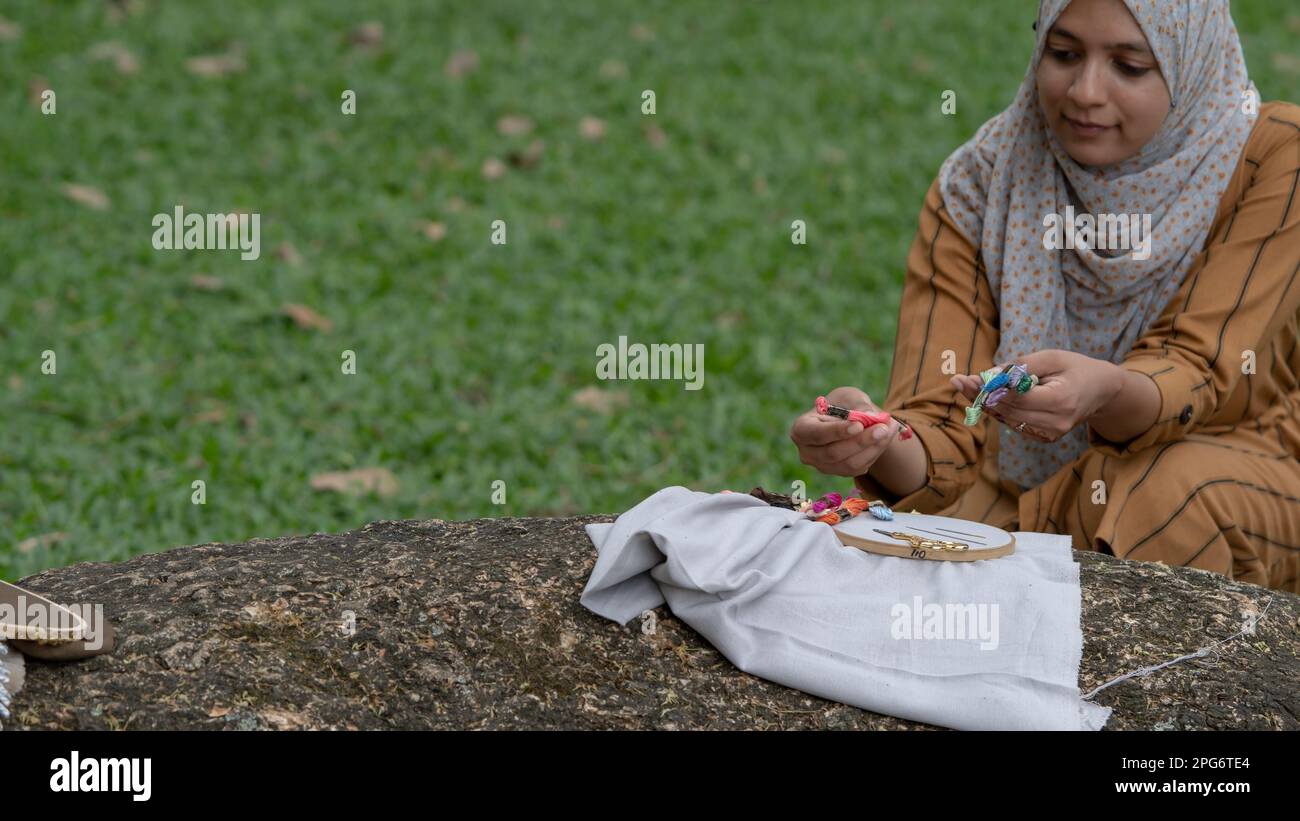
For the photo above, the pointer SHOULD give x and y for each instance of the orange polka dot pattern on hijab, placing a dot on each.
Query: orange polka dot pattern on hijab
(1001, 184)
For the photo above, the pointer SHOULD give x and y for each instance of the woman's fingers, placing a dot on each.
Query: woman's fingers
(837, 446)
(813, 429)
(1014, 407)
(853, 456)
(858, 463)
(968, 386)
(852, 446)
(1015, 414)
(1037, 426)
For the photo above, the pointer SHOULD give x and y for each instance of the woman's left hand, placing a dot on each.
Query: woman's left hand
(1071, 388)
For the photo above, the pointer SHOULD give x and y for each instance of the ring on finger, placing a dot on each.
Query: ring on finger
(1022, 428)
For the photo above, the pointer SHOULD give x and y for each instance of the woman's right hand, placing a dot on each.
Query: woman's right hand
(837, 446)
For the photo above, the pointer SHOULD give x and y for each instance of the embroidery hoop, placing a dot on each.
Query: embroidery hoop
(984, 541)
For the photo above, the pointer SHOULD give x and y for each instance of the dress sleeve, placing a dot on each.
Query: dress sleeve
(947, 324)
(1237, 296)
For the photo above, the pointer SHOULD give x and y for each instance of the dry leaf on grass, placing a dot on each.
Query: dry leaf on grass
(367, 35)
(9, 30)
(529, 156)
(642, 32)
(36, 87)
(206, 283)
(592, 128)
(307, 318)
(119, 10)
(123, 60)
(514, 125)
(461, 63)
(288, 253)
(600, 400)
(218, 65)
(86, 195)
(832, 155)
(493, 169)
(443, 157)
(729, 319)
(43, 541)
(212, 416)
(613, 69)
(1286, 62)
(655, 135)
(435, 231)
(358, 481)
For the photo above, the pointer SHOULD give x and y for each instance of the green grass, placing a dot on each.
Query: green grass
(469, 354)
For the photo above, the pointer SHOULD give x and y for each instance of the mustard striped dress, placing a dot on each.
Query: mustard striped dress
(1214, 483)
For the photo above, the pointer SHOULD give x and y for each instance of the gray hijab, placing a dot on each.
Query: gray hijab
(999, 185)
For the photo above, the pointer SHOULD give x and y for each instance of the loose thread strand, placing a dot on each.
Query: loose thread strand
(1204, 651)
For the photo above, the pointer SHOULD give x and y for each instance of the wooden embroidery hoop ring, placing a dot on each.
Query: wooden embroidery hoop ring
(14, 601)
(985, 541)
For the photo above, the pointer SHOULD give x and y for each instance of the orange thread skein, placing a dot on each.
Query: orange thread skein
(852, 506)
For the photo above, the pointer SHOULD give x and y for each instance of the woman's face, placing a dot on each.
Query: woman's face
(1098, 68)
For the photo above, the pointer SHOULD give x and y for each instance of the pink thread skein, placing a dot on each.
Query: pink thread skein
(865, 417)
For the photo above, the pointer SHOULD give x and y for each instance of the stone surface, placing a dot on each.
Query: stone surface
(477, 624)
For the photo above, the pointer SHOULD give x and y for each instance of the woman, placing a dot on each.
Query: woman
(1163, 427)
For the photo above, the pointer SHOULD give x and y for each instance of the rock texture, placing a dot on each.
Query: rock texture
(453, 625)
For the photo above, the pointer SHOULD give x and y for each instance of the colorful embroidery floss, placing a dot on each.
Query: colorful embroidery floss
(831, 508)
(881, 511)
(827, 502)
(774, 499)
(848, 510)
(997, 383)
(866, 418)
(852, 507)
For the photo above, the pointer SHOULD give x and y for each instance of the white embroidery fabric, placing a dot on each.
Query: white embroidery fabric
(781, 598)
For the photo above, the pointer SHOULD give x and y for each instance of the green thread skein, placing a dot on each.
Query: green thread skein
(994, 379)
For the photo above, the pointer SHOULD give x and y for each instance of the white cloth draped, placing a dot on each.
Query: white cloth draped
(779, 596)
